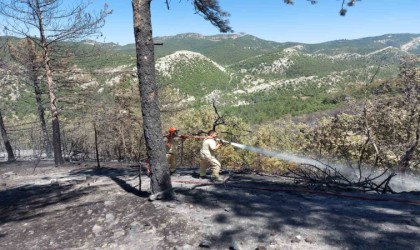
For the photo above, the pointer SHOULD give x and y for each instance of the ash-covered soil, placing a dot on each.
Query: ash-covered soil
(81, 207)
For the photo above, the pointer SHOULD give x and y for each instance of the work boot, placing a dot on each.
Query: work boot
(223, 172)
(216, 180)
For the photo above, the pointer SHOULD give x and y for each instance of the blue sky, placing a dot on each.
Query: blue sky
(272, 19)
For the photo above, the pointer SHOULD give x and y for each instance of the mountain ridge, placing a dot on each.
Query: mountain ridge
(235, 36)
(244, 70)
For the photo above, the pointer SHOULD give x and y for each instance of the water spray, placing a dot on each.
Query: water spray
(404, 183)
(281, 156)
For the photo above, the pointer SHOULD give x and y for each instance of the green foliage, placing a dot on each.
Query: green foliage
(224, 49)
(202, 119)
(196, 77)
(383, 130)
(304, 65)
(109, 97)
(362, 45)
(25, 104)
(272, 105)
(282, 136)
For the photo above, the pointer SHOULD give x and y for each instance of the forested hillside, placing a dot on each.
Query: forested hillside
(257, 85)
(243, 70)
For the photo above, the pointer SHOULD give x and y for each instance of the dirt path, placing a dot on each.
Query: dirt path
(79, 207)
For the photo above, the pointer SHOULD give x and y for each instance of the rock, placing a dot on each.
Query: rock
(8, 174)
(171, 205)
(261, 248)
(147, 226)
(187, 247)
(97, 229)
(235, 245)
(53, 181)
(228, 209)
(167, 194)
(89, 212)
(296, 239)
(109, 218)
(119, 233)
(108, 203)
(205, 243)
(310, 239)
(135, 227)
(153, 197)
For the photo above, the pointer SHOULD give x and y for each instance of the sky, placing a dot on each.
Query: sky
(272, 20)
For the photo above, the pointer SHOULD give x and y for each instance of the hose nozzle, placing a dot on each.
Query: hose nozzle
(223, 141)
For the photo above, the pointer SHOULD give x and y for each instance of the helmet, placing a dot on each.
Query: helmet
(172, 130)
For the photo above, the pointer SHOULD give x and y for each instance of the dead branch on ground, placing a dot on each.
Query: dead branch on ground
(329, 178)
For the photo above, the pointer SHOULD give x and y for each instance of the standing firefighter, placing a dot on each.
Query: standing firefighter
(207, 155)
(171, 142)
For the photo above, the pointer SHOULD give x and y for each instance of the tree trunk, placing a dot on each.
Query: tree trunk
(58, 157)
(96, 145)
(152, 128)
(405, 160)
(10, 155)
(37, 89)
(41, 115)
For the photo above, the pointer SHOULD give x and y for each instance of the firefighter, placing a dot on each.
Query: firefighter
(207, 155)
(171, 143)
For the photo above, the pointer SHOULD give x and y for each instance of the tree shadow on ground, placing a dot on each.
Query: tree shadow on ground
(25, 202)
(264, 208)
(116, 175)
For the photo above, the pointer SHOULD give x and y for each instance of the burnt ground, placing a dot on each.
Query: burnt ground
(80, 207)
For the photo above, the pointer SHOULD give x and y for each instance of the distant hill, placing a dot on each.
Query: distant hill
(243, 46)
(268, 79)
(406, 42)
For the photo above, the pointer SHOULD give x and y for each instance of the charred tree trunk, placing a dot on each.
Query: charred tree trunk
(96, 145)
(26, 54)
(37, 89)
(10, 155)
(152, 128)
(41, 115)
(58, 157)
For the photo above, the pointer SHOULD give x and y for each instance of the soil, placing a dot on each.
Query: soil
(78, 206)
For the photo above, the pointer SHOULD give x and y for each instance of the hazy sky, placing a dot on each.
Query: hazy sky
(272, 19)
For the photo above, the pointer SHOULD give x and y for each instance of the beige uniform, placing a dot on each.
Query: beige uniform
(171, 152)
(208, 159)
